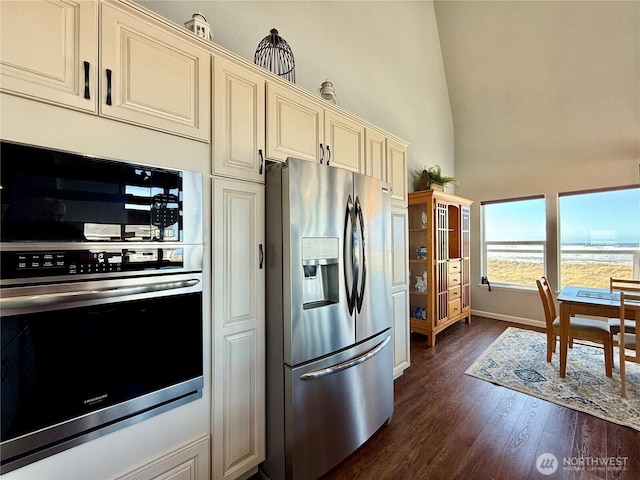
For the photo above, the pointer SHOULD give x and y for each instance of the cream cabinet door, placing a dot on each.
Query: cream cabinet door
(238, 328)
(397, 171)
(190, 462)
(238, 122)
(400, 289)
(295, 126)
(152, 77)
(375, 154)
(50, 51)
(344, 142)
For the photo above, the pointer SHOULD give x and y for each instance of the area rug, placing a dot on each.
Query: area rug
(517, 360)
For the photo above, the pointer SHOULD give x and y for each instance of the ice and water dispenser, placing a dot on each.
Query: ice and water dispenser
(320, 285)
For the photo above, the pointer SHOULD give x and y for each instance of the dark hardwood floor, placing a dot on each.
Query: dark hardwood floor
(448, 425)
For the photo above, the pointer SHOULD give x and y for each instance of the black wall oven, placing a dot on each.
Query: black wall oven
(100, 297)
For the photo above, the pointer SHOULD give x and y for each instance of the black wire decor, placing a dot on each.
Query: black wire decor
(275, 54)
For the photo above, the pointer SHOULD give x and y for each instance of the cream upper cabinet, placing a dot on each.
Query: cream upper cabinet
(238, 317)
(50, 51)
(143, 73)
(238, 122)
(302, 127)
(375, 154)
(295, 125)
(397, 171)
(151, 76)
(344, 142)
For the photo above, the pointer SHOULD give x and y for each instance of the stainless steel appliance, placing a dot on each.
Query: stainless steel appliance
(100, 297)
(329, 348)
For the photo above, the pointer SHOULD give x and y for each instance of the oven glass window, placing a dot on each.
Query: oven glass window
(59, 365)
(54, 196)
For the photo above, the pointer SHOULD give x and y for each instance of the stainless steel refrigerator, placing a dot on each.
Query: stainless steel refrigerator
(329, 338)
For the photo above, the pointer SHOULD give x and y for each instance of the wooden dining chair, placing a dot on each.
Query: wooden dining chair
(579, 328)
(629, 306)
(623, 285)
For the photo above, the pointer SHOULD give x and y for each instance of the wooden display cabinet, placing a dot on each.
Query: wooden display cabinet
(439, 263)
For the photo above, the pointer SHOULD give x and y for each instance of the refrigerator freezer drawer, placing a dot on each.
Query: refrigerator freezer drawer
(335, 404)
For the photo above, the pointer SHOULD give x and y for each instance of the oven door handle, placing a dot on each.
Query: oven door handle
(93, 294)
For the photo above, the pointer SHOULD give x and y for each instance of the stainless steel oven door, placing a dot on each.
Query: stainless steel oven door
(82, 359)
(47, 297)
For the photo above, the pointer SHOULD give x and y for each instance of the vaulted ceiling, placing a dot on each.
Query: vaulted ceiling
(542, 76)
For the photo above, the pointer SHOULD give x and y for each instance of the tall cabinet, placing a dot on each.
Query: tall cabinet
(439, 263)
(238, 270)
(238, 327)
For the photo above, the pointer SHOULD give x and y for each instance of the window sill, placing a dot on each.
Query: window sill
(505, 286)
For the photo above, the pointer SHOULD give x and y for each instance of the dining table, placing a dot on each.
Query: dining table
(581, 301)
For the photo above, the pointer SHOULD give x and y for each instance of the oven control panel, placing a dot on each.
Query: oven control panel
(31, 264)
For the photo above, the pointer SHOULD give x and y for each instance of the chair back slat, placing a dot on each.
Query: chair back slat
(629, 304)
(624, 285)
(547, 301)
(630, 309)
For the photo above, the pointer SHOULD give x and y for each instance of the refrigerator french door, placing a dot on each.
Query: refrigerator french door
(329, 354)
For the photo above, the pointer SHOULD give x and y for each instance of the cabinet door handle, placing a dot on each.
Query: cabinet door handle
(321, 154)
(261, 252)
(261, 161)
(87, 95)
(108, 86)
(329, 152)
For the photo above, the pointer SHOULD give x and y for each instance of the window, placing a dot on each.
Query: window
(514, 240)
(599, 236)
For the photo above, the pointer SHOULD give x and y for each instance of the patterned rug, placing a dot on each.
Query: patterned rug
(517, 360)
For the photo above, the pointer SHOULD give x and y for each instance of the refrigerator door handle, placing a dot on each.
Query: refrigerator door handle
(348, 255)
(344, 365)
(362, 258)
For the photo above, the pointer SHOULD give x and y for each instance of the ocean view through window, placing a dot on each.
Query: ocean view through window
(599, 234)
(514, 240)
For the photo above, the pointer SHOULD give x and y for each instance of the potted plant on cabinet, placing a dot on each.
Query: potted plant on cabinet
(432, 179)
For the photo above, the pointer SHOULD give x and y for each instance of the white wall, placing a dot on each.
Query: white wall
(382, 56)
(545, 98)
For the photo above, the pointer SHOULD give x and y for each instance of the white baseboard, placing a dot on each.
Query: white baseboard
(508, 318)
